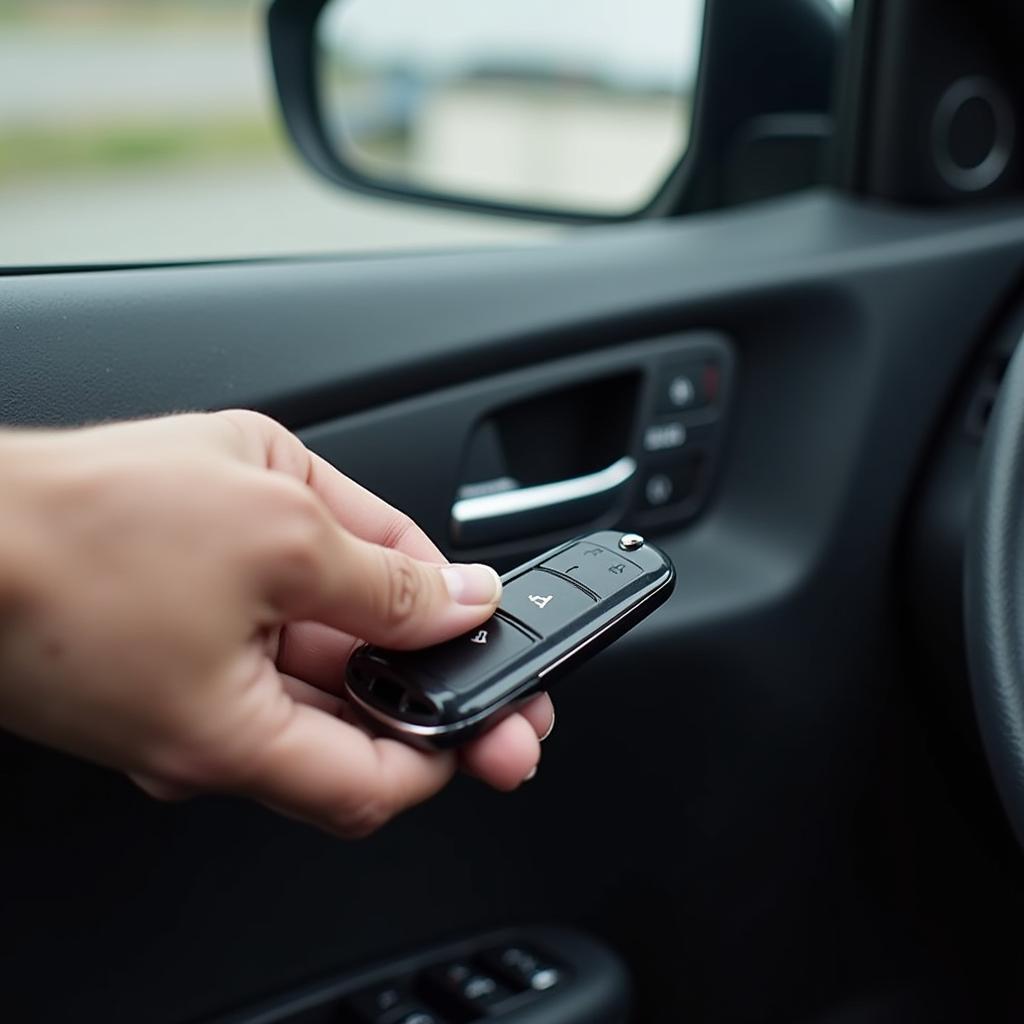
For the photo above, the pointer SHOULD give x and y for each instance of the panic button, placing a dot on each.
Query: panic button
(598, 569)
(544, 601)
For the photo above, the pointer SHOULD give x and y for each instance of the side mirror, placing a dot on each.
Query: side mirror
(571, 110)
(574, 110)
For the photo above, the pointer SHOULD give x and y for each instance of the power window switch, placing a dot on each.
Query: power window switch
(484, 994)
(523, 969)
(544, 978)
(466, 987)
(418, 1016)
(390, 1003)
(451, 977)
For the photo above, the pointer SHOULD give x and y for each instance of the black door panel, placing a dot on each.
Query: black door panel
(724, 798)
(309, 340)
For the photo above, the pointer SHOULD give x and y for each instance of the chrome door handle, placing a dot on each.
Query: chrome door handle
(487, 518)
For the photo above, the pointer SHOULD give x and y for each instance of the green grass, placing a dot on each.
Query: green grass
(28, 150)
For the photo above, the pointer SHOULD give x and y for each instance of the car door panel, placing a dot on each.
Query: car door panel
(711, 802)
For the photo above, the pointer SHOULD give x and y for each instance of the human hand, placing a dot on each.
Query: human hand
(178, 599)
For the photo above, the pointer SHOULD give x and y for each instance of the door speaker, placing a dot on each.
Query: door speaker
(941, 91)
(973, 132)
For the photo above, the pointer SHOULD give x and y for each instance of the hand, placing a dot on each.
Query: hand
(178, 599)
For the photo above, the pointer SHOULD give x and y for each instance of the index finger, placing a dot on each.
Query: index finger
(361, 512)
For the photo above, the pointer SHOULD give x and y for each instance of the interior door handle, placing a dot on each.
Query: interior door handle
(487, 518)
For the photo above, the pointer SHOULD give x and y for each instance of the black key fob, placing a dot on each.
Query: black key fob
(555, 612)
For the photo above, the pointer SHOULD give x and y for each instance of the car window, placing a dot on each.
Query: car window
(147, 130)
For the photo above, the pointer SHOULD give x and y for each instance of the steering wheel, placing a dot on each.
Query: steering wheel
(994, 593)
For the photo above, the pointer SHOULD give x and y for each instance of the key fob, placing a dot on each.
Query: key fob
(556, 611)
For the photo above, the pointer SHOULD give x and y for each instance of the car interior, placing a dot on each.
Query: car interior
(795, 793)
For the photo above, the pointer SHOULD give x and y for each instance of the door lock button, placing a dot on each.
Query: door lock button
(595, 567)
(544, 602)
(689, 384)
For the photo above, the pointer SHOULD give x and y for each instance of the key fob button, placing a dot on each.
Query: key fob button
(459, 663)
(545, 602)
(598, 569)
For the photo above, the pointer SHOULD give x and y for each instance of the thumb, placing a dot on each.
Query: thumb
(386, 597)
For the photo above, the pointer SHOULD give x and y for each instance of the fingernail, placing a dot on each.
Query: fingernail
(472, 584)
(551, 727)
(530, 774)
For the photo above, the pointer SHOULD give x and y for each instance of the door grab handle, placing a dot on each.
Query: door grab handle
(495, 517)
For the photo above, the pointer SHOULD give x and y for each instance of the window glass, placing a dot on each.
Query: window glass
(147, 130)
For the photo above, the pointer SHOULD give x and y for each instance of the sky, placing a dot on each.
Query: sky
(645, 40)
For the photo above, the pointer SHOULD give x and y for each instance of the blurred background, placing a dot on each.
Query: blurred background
(147, 130)
(139, 130)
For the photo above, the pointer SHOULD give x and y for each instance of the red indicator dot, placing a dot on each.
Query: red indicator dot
(712, 381)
